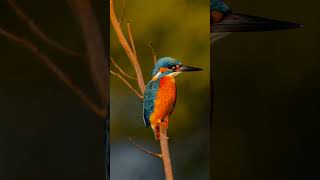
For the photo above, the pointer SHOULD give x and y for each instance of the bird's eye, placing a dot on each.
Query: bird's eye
(174, 67)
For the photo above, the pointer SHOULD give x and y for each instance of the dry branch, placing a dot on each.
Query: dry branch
(121, 70)
(154, 55)
(55, 69)
(131, 53)
(127, 83)
(144, 150)
(133, 47)
(38, 32)
(97, 59)
(95, 50)
(124, 43)
(165, 153)
(124, 11)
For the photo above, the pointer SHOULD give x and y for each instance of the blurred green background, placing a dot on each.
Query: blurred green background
(266, 120)
(46, 131)
(178, 29)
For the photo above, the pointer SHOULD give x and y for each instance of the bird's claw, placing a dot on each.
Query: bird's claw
(165, 124)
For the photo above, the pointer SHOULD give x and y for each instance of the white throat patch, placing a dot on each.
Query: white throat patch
(155, 77)
(173, 74)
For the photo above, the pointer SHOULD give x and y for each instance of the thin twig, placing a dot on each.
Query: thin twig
(38, 32)
(124, 11)
(154, 55)
(127, 83)
(95, 49)
(165, 154)
(144, 150)
(55, 69)
(124, 43)
(131, 39)
(121, 70)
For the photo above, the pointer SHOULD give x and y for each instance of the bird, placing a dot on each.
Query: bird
(224, 21)
(161, 93)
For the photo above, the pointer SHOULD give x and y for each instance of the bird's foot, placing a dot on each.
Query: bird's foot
(165, 123)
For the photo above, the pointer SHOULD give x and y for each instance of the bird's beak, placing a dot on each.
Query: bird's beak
(235, 22)
(184, 68)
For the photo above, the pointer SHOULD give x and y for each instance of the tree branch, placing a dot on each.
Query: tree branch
(154, 56)
(97, 58)
(165, 154)
(121, 70)
(124, 11)
(127, 83)
(131, 39)
(55, 69)
(145, 151)
(38, 32)
(124, 43)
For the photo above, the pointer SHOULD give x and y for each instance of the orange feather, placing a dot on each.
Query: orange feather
(164, 102)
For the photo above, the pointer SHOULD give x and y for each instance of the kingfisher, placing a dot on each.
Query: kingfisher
(161, 93)
(223, 21)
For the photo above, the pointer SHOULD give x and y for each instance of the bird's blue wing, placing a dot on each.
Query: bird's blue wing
(149, 100)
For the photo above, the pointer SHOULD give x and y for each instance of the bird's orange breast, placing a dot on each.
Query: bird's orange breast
(165, 99)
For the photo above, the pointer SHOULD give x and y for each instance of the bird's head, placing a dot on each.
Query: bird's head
(218, 10)
(168, 66)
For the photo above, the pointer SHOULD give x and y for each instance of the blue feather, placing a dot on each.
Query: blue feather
(149, 100)
(219, 5)
(164, 62)
(153, 86)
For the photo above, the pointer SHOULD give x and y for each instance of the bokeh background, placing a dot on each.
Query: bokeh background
(180, 29)
(266, 119)
(46, 131)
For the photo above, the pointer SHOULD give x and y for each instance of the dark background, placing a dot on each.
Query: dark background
(46, 131)
(266, 119)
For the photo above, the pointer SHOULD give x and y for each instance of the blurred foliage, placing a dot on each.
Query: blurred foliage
(178, 29)
(46, 131)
